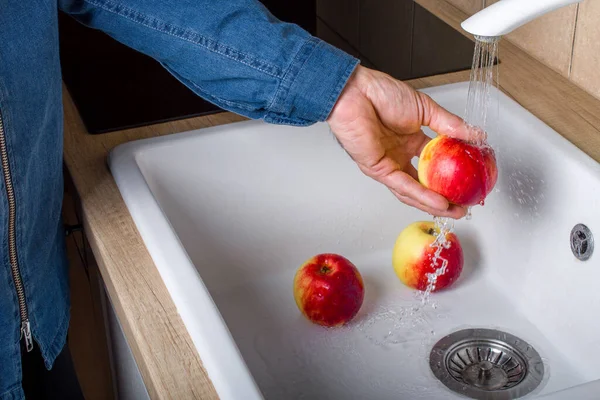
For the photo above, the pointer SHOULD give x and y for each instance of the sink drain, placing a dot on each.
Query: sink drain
(582, 242)
(486, 364)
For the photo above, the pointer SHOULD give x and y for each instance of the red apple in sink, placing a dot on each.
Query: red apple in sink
(462, 172)
(328, 289)
(413, 254)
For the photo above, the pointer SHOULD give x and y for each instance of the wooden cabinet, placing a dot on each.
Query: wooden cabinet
(437, 47)
(398, 37)
(103, 359)
(341, 17)
(334, 38)
(386, 35)
(87, 338)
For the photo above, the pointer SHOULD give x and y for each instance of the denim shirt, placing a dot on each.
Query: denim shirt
(233, 53)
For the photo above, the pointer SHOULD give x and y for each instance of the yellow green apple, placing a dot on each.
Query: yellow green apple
(413, 256)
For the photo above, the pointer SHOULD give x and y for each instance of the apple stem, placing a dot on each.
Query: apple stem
(324, 269)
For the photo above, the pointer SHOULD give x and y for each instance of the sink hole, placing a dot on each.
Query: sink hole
(486, 364)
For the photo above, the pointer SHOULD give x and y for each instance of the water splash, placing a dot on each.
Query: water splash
(396, 324)
(439, 264)
(484, 72)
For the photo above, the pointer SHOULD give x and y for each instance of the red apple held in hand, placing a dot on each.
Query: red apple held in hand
(462, 172)
(328, 289)
(413, 255)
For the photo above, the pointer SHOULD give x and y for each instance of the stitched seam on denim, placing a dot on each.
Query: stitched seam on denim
(7, 122)
(12, 393)
(285, 82)
(4, 254)
(337, 91)
(294, 70)
(187, 35)
(287, 121)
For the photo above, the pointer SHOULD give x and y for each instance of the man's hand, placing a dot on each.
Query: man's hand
(378, 121)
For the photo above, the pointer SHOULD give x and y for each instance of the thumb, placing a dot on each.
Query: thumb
(443, 122)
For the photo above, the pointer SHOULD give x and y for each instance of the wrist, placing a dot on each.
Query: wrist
(354, 89)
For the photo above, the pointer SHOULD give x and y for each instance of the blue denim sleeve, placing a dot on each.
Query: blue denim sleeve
(233, 53)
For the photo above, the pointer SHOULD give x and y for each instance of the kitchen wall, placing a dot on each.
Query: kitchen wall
(394, 36)
(567, 40)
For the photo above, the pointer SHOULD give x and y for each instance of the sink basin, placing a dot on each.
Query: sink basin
(229, 213)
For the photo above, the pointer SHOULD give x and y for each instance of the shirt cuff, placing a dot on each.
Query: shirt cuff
(311, 85)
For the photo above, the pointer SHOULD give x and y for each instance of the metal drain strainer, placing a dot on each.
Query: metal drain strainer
(486, 364)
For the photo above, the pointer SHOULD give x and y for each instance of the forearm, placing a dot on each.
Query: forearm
(233, 53)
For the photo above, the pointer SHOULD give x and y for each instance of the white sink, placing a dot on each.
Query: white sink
(229, 213)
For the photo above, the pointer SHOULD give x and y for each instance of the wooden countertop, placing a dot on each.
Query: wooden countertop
(163, 350)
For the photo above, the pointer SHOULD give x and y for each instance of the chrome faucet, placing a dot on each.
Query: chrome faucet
(506, 15)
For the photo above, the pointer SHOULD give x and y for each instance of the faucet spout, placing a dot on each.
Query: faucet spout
(506, 15)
